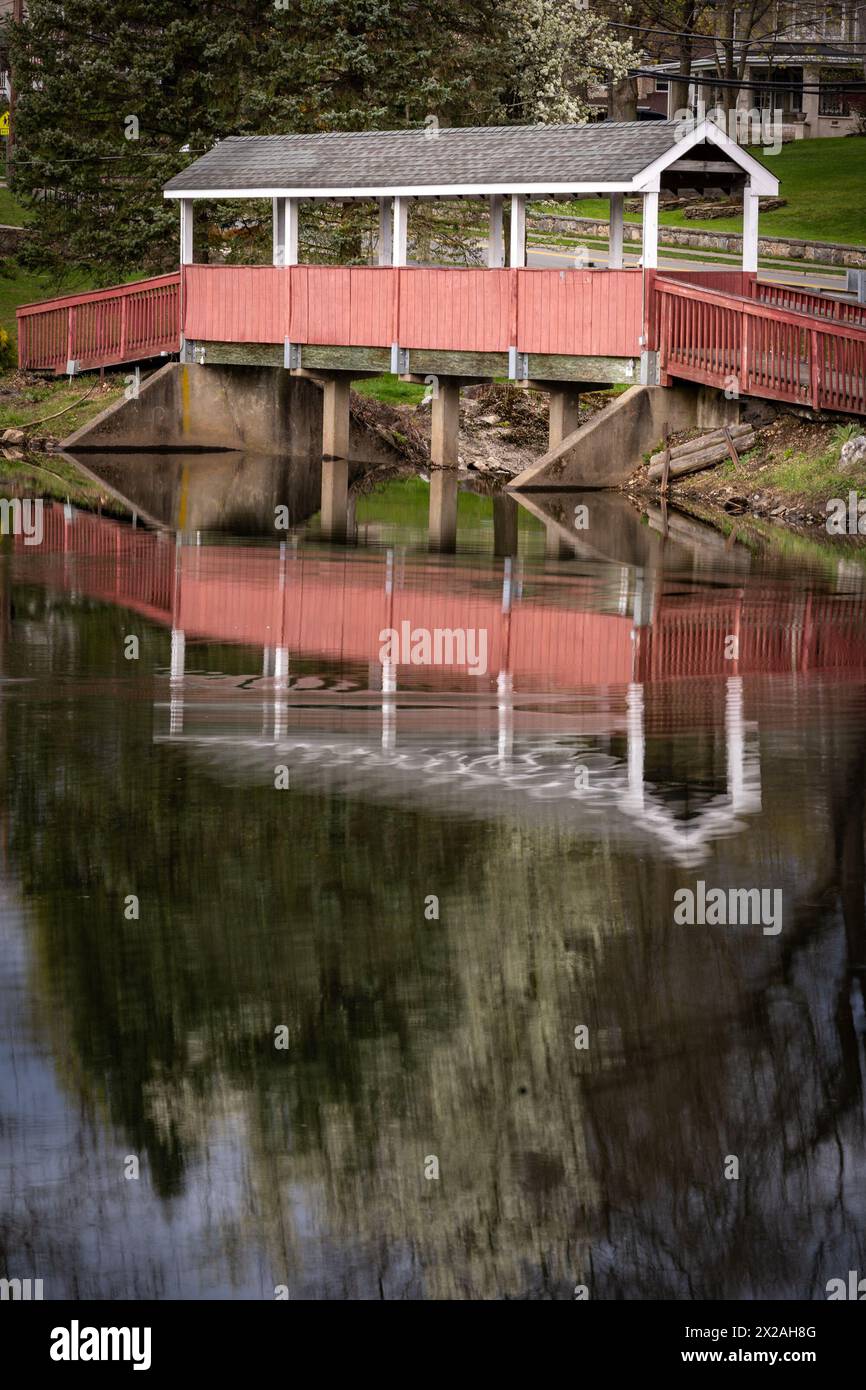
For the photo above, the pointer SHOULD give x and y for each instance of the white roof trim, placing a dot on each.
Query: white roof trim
(762, 181)
(449, 190)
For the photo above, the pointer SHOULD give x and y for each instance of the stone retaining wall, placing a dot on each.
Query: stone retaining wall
(783, 248)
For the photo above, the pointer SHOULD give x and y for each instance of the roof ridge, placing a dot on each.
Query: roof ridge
(455, 129)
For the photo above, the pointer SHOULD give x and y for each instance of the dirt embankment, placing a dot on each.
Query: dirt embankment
(503, 428)
(792, 472)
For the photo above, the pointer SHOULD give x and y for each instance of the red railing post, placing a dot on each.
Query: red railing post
(664, 336)
(123, 303)
(745, 349)
(70, 335)
(815, 369)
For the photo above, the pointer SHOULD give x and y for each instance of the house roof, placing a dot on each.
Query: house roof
(450, 161)
(804, 51)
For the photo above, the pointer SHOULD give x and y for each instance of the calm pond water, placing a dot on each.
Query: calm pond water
(467, 878)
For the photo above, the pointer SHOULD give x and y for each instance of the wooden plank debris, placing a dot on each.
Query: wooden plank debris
(705, 452)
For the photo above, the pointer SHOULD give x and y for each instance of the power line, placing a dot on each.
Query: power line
(711, 80)
(857, 44)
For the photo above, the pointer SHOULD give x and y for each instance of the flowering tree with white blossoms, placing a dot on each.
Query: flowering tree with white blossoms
(561, 47)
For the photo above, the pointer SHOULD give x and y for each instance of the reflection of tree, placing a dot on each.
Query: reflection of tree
(748, 1049)
(453, 1038)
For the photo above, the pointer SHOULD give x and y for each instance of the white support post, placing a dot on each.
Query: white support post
(750, 228)
(650, 231)
(615, 240)
(518, 230)
(400, 235)
(278, 224)
(291, 218)
(186, 206)
(495, 240)
(385, 237)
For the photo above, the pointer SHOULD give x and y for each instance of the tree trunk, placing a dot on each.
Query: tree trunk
(622, 100)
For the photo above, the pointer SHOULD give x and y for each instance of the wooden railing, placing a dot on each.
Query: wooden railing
(805, 302)
(124, 323)
(759, 349)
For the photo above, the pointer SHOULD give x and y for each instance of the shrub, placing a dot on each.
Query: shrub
(7, 352)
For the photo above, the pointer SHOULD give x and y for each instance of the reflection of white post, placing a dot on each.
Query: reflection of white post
(623, 590)
(178, 670)
(389, 686)
(281, 680)
(635, 736)
(735, 741)
(505, 709)
(178, 655)
(639, 616)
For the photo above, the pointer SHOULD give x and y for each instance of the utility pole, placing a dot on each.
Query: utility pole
(17, 16)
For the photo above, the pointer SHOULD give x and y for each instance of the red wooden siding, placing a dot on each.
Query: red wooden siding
(461, 310)
(340, 306)
(592, 313)
(581, 313)
(235, 304)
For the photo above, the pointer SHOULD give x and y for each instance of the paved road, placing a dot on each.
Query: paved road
(807, 279)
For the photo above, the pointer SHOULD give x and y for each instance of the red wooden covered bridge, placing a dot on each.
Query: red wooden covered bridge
(555, 328)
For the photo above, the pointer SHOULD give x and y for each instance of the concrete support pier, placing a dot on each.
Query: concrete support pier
(442, 529)
(335, 417)
(504, 525)
(335, 499)
(564, 416)
(445, 423)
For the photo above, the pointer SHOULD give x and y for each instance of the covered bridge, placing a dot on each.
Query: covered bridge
(552, 328)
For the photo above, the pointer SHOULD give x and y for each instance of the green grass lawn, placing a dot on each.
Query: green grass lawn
(390, 389)
(824, 182)
(53, 394)
(11, 213)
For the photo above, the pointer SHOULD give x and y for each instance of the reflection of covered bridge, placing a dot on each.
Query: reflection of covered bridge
(547, 638)
(556, 329)
(333, 605)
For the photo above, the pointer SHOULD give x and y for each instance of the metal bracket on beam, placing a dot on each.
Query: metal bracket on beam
(291, 355)
(198, 353)
(649, 369)
(518, 365)
(399, 359)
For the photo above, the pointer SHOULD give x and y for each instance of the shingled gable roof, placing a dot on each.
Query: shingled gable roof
(612, 156)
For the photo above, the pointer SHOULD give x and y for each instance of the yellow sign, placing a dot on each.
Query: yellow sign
(4, 123)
